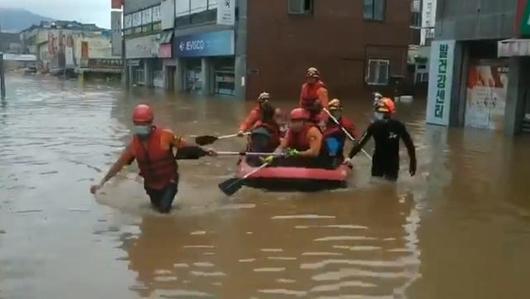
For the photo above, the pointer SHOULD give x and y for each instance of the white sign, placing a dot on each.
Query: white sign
(428, 18)
(167, 11)
(147, 16)
(513, 47)
(440, 82)
(156, 14)
(143, 47)
(226, 12)
(137, 19)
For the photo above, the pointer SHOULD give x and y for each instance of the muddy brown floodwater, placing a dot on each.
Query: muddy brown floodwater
(459, 229)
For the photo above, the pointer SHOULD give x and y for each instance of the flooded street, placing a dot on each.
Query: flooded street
(459, 229)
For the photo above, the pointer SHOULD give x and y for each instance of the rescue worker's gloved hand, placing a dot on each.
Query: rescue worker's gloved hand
(240, 134)
(348, 162)
(95, 188)
(292, 153)
(268, 160)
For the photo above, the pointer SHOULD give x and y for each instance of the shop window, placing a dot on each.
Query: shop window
(378, 72)
(374, 10)
(300, 7)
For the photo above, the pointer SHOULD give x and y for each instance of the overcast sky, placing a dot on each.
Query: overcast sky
(85, 11)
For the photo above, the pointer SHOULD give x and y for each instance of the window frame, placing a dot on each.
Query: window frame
(306, 12)
(372, 17)
(368, 69)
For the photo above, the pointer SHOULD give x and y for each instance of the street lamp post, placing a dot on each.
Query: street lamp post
(2, 78)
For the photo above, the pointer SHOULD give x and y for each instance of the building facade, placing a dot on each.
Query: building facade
(242, 47)
(480, 65)
(69, 46)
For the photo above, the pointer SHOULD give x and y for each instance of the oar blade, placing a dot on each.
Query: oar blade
(205, 140)
(231, 186)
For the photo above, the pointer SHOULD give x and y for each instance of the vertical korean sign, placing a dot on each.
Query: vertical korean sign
(440, 82)
(116, 33)
(226, 12)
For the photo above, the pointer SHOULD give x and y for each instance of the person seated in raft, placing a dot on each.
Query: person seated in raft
(265, 136)
(303, 142)
(334, 136)
(255, 114)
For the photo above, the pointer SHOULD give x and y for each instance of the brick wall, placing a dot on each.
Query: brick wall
(335, 38)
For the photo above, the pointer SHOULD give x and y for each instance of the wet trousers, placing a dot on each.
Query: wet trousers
(161, 200)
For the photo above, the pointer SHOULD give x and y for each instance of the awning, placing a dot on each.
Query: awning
(513, 48)
(165, 37)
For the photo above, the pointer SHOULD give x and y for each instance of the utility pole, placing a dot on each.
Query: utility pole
(2, 78)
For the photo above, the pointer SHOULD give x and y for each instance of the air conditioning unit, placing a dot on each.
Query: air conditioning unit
(296, 7)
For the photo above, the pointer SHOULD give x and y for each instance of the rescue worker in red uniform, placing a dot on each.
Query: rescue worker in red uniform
(334, 136)
(303, 142)
(314, 96)
(254, 115)
(387, 132)
(265, 135)
(152, 147)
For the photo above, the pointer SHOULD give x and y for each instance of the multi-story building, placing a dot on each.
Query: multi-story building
(480, 70)
(242, 47)
(67, 45)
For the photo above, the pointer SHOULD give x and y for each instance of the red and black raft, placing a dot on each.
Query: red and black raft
(291, 178)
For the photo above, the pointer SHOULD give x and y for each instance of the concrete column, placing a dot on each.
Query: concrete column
(206, 77)
(240, 71)
(179, 75)
(132, 79)
(148, 72)
(459, 90)
(517, 87)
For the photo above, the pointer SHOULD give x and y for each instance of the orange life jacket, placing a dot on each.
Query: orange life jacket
(309, 95)
(157, 165)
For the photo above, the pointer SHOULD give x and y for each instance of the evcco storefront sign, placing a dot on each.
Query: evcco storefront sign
(143, 47)
(440, 82)
(217, 43)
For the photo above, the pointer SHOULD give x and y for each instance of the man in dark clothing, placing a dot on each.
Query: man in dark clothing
(387, 132)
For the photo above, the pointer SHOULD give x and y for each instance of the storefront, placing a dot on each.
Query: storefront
(144, 61)
(207, 62)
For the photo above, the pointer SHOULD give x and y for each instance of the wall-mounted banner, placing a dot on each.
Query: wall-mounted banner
(440, 82)
(217, 43)
(226, 12)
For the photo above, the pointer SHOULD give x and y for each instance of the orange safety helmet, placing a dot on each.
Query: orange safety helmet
(143, 114)
(386, 105)
(299, 114)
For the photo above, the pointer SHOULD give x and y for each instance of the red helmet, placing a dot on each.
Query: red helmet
(386, 105)
(299, 114)
(143, 114)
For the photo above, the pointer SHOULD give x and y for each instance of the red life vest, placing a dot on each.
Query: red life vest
(309, 94)
(157, 165)
(274, 130)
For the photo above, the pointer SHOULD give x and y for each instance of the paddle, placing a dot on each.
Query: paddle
(231, 186)
(208, 139)
(336, 121)
(249, 154)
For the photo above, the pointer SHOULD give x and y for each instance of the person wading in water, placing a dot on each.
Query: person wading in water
(153, 148)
